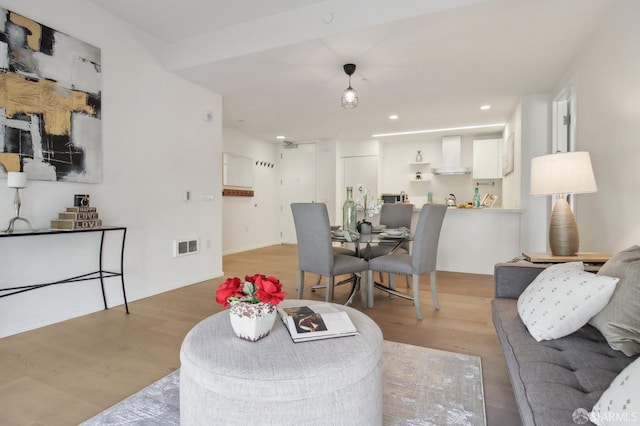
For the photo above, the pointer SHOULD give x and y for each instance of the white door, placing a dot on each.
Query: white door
(298, 185)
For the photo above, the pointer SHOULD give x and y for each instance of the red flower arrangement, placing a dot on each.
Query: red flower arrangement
(255, 289)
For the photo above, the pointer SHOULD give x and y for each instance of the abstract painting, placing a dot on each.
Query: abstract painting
(50, 102)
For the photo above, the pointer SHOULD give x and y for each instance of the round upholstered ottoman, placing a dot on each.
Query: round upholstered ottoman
(225, 380)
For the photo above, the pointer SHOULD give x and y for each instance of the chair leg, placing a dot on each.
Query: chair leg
(329, 293)
(416, 296)
(363, 288)
(406, 279)
(300, 284)
(369, 285)
(381, 276)
(392, 284)
(434, 289)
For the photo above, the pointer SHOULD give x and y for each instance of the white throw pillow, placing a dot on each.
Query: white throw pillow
(562, 299)
(620, 404)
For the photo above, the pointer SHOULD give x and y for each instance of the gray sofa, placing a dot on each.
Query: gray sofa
(553, 378)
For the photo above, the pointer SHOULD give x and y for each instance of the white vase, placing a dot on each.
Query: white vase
(252, 321)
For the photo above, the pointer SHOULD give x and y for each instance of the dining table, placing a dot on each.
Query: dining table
(363, 241)
(362, 245)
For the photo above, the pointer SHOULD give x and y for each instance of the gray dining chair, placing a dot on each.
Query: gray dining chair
(315, 251)
(336, 250)
(392, 216)
(419, 262)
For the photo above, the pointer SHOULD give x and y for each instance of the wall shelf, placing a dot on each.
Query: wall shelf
(228, 192)
(426, 177)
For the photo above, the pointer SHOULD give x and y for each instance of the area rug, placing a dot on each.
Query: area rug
(421, 387)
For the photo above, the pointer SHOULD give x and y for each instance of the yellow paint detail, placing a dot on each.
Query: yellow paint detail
(10, 162)
(18, 95)
(33, 39)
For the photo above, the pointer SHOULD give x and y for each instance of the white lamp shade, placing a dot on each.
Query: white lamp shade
(562, 173)
(16, 179)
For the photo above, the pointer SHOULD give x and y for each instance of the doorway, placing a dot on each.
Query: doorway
(298, 184)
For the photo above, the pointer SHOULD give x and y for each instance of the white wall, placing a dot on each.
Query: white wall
(156, 145)
(326, 167)
(249, 222)
(532, 127)
(608, 126)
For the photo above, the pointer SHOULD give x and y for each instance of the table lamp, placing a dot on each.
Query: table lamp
(17, 180)
(560, 174)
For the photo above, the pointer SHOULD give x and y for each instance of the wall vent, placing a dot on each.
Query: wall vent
(185, 247)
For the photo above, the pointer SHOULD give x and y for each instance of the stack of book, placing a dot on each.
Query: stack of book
(77, 218)
(315, 322)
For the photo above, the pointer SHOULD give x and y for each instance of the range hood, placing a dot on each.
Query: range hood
(451, 158)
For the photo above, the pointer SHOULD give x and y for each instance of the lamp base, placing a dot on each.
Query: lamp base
(12, 222)
(563, 231)
(17, 203)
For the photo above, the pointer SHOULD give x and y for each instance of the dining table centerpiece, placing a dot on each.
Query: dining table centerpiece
(252, 304)
(369, 210)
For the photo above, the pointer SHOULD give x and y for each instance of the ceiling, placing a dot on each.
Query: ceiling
(278, 63)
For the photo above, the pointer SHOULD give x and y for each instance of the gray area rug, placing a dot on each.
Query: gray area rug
(421, 387)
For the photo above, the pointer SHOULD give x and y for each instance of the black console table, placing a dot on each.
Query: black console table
(100, 274)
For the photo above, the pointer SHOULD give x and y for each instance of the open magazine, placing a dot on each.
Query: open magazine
(317, 321)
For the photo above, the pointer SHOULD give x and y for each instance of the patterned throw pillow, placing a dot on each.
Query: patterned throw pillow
(562, 299)
(620, 403)
(619, 321)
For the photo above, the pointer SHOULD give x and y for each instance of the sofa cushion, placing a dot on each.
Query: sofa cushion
(619, 321)
(553, 378)
(562, 299)
(620, 403)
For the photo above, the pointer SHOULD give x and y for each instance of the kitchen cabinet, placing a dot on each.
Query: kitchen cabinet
(487, 159)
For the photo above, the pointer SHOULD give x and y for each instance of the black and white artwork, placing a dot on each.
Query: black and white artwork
(50, 102)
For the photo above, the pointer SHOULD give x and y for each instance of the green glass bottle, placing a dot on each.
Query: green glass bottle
(349, 212)
(476, 199)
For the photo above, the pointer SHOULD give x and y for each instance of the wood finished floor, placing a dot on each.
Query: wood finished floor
(67, 372)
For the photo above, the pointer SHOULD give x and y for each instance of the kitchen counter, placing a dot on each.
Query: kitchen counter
(483, 209)
(488, 210)
(474, 240)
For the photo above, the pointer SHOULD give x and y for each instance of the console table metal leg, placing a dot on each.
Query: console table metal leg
(99, 274)
(124, 293)
(121, 273)
(100, 269)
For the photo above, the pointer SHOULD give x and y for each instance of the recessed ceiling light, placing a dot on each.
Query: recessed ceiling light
(483, 107)
(447, 129)
(393, 117)
(281, 137)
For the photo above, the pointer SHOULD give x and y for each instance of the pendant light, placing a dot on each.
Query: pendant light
(349, 96)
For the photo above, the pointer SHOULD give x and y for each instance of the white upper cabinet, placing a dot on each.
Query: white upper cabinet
(487, 159)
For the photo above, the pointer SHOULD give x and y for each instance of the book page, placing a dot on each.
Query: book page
(312, 325)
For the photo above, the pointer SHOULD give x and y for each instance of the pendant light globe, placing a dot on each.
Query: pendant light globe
(349, 96)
